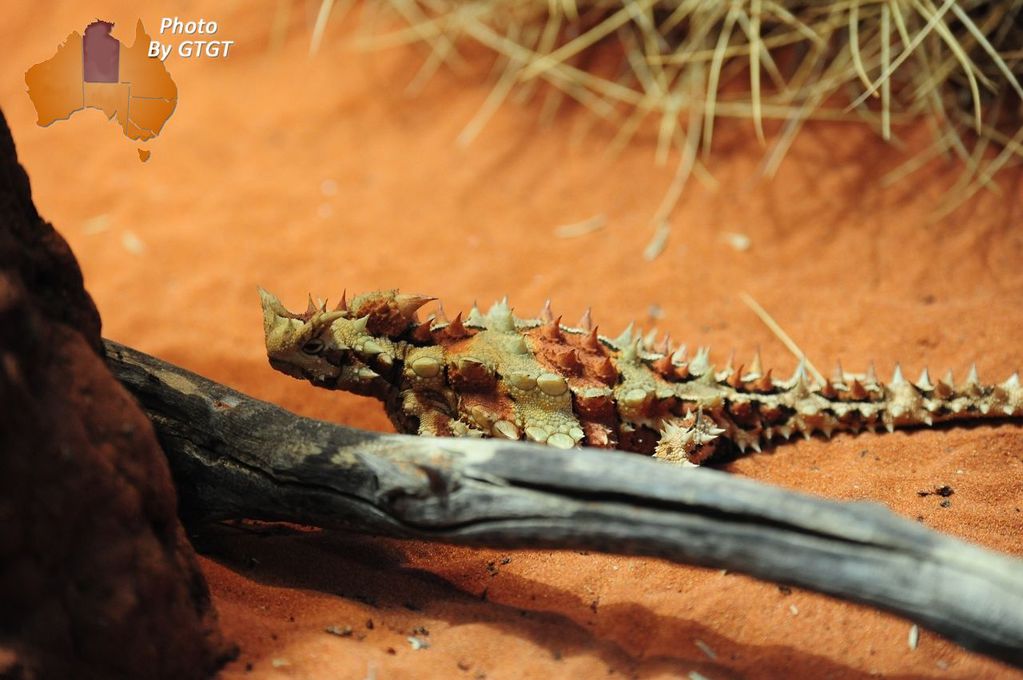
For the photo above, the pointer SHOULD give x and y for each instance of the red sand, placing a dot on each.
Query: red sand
(317, 174)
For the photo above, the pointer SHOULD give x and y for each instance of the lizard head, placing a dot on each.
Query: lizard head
(354, 347)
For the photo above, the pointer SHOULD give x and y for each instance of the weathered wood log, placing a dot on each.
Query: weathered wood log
(235, 457)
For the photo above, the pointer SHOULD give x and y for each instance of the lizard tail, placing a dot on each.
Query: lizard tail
(757, 412)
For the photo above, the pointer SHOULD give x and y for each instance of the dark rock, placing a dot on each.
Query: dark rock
(97, 579)
(40, 258)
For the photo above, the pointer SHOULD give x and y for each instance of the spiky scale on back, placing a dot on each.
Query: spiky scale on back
(497, 375)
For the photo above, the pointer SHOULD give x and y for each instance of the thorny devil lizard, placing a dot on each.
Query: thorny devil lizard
(496, 375)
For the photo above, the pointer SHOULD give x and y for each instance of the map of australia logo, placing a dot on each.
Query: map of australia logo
(96, 70)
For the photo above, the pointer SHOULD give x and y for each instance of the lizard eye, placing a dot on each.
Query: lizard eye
(314, 346)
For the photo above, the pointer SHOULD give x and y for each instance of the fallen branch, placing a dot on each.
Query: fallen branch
(236, 457)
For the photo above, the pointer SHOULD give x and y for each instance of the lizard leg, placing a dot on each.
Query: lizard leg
(689, 440)
(433, 420)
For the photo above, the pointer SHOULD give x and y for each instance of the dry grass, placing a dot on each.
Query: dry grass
(683, 65)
